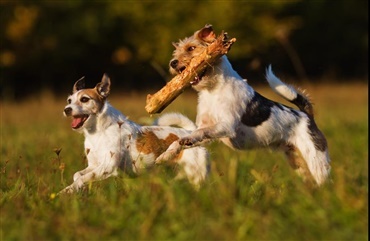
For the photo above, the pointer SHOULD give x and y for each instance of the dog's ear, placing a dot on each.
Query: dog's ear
(103, 87)
(206, 34)
(79, 85)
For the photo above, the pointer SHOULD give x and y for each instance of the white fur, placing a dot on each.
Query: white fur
(175, 119)
(111, 142)
(231, 111)
(317, 161)
(288, 92)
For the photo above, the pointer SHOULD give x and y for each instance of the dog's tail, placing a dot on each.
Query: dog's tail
(288, 92)
(176, 119)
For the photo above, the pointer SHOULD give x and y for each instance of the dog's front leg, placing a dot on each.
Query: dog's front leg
(96, 174)
(172, 151)
(81, 173)
(206, 134)
(68, 190)
(196, 138)
(74, 186)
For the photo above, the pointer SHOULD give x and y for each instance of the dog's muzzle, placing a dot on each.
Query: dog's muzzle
(77, 120)
(175, 65)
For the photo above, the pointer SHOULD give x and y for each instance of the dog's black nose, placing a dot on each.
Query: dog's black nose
(174, 63)
(68, 111)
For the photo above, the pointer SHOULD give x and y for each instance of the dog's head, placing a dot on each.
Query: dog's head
(85, 104)
(190, 47)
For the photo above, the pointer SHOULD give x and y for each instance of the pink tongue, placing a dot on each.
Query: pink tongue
(77, 122)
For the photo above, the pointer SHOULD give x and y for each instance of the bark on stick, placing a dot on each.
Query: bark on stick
(157, 102)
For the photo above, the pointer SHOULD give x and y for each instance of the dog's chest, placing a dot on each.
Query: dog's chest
(224, 104)
(104, 146)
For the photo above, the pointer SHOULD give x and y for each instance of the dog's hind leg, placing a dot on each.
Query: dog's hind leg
(297, 163)
(315, 156)
(195, 165)
(318, 163)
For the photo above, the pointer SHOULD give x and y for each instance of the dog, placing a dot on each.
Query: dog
(231, 111)
(114, 142)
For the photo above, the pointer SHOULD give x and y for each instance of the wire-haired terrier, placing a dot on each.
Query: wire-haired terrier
(231, 111)
(114, 142)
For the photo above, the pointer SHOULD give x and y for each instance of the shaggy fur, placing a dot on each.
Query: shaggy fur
(230, 110)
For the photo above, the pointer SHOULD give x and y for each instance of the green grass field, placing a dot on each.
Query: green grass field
(250, 195)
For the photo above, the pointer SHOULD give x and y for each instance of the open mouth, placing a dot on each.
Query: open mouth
(78, 121)
(181, 69)
(199, 77)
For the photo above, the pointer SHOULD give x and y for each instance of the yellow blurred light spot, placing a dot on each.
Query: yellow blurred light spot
(121, 55)
(22, 24)
(53, 195)
(7, 58)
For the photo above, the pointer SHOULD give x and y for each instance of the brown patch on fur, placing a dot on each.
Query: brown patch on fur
(298, 164)
(148, 143)
(178, 157)
(93, 95)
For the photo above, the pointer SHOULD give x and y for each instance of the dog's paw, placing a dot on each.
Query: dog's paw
(67, 190)
(76, 176)
(186, 141)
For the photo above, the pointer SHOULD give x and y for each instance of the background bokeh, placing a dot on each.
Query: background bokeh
(46, 45)
(49, 44)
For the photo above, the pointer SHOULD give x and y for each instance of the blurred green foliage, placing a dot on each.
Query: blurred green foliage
(50, 44)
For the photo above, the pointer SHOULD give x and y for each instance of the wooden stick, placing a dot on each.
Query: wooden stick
(157, 102)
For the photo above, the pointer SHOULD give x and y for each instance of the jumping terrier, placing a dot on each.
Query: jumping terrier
(230, 110)
(113, 142)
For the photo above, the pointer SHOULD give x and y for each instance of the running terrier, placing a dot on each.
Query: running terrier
(232, 111)
(113, 142)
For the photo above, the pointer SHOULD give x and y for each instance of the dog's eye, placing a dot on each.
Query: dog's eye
(191, 48)
(69, 101)
(84, 99)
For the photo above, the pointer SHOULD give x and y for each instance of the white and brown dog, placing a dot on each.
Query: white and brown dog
(113, 142)
(230, 110)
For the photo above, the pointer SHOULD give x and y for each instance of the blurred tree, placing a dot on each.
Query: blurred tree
(333, 38)
(50, 44)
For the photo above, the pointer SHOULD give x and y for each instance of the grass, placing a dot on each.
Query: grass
(250, 195)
